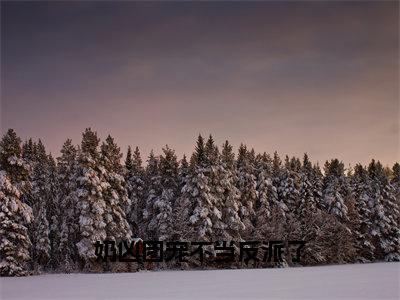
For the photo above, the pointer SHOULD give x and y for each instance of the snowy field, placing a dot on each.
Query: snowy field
(368, 281)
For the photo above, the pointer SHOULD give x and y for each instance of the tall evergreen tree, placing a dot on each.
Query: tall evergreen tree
(247, 186)
(385, 213)
(336, 189)
(362, 228)
(181, 209)
(289, 189)
(154, 190)
(135, 179)
(116, 195)
(307, 194)
(162, 205)
(41, 199)
(230, 195)
(15, 216)
(197, 191)
(309, 215)
(276, 200)
(69, 223)
(265, 191)
(216, 175)
(91, 187)
(54, 212)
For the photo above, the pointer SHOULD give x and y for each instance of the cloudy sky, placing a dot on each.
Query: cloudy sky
(316, 77)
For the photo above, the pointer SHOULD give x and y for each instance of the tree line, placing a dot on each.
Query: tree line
(53, 210)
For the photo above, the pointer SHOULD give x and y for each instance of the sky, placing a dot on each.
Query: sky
(295, 77)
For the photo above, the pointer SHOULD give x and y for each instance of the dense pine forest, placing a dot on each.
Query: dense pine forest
(53, 210)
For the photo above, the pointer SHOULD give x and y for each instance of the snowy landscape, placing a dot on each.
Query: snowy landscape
(360, 281)
(199, 150)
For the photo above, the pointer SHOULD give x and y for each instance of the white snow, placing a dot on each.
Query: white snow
(361, 281)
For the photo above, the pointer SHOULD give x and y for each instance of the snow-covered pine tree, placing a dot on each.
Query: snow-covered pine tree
(335, 189)
(116, 200)
(306, 192)
(182, 205)
(14, 239)
(247, 186)
(89, 196)
(284, 198)
(265, 190)
(54, 212)
(15, 215)
(231, 195)
(337, 201)
(362, 226)
(116, 195)
(385, 212)
(289, 189)
(67, 253)
(276, 202)
(276, 226)
(198, 192)
(309, 215)
(135, 179)
(216, 176)
(153, 191)
(162, 223)
(41, 200)
(289, 194)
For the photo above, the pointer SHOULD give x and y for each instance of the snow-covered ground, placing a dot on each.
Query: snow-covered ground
(363, 281)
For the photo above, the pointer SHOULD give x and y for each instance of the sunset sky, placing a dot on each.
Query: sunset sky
(316, 77)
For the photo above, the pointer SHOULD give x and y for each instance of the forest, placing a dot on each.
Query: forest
(54, 209)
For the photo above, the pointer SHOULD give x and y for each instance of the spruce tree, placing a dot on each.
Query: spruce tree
(182, 205)
(162, 205)
(335, 190)
(135, 179)
(54, 212)
(277, 174)
(289, 189)
(69, 224)
(15, 216)
(41, 199)
(216, 175)
(362, 228)
(385, 213)
(265, 191)
(153, 191)
(309, 215)
(91, 188)
(307, 188)
(247, 186)
(197, 192)
(231, 195)
(116, 195)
